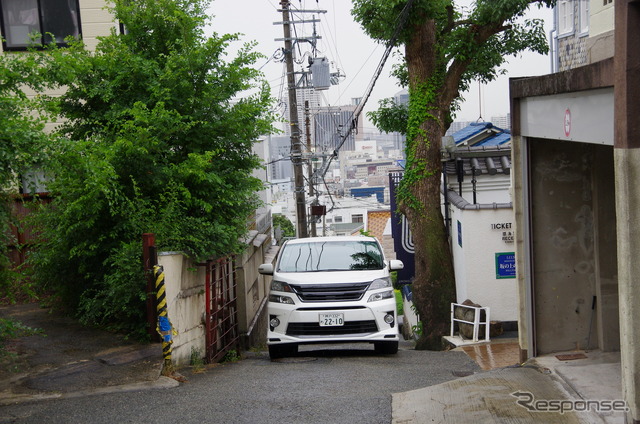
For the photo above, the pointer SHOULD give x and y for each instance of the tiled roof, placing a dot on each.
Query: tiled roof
(481, 134)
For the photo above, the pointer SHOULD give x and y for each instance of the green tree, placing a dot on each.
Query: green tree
(154, 141)
(286, 226)
(23, 144)
(445, 47)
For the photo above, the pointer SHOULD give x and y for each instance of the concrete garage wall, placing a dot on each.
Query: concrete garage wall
(571, 242)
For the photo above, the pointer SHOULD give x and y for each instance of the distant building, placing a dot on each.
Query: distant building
(279, 160)
(315, 103)
(457, 126)
(502, 121)
(331, 124)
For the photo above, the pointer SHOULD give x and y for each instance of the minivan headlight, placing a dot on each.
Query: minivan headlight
(281, 299)
(280, 286)
(380, 283)
(381, 296)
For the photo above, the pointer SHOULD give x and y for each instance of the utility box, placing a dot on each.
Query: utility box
(320, 74)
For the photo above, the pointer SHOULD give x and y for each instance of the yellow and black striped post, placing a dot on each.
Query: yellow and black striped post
(164, 325)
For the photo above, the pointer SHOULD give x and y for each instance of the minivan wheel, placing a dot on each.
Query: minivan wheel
(282, 350)
(386, 348)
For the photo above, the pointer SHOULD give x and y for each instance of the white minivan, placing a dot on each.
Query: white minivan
(330, 290)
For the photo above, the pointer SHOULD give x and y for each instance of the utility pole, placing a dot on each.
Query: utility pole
(296, 146)
(307, 129)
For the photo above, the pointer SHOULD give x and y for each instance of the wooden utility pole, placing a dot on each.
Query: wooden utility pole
(296, 146)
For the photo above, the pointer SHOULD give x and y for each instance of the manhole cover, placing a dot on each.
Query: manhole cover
(295, 360)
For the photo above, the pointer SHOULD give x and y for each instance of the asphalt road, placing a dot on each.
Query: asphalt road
(323, 384)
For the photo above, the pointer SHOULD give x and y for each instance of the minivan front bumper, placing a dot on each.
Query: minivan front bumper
(349, 322)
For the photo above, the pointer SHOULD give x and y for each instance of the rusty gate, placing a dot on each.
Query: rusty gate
(22, 235)
(221, 323)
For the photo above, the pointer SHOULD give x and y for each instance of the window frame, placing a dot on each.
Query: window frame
(39, 4)
(583, 17)
(562, 7)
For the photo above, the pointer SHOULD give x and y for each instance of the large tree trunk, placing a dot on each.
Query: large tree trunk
(434, 283)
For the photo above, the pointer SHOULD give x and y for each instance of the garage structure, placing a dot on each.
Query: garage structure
(576, 162)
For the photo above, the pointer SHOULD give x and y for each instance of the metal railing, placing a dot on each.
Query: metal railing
(476, 320)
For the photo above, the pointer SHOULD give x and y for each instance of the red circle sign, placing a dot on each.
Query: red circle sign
(567, 122)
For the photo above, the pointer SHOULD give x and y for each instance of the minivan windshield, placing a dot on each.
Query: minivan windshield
(331, 256)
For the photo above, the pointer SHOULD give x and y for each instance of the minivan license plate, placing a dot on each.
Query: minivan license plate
(331, 320)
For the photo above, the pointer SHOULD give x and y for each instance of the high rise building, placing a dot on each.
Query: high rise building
(332, 124)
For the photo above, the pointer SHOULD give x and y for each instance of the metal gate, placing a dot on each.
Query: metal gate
(221, 309)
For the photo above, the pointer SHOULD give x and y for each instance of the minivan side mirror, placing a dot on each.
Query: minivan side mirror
(266, 269)
(395, 265)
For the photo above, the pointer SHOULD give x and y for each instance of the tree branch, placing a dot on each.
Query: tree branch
(458, 67)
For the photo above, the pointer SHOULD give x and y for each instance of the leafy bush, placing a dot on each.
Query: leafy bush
(10, 329)
(153, 144)
(286, 226)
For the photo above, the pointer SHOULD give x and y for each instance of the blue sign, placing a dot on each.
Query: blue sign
(402, 239)
(506, 265)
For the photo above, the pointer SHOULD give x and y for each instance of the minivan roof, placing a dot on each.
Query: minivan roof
(330, 238)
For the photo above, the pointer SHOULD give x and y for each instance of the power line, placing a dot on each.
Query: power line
(402, 18)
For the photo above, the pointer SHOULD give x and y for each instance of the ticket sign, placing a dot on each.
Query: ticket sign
(506, 265)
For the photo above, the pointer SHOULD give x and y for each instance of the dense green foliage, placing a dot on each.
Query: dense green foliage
(286, 226)
(23, 145)
(152, 142)
(457, 43)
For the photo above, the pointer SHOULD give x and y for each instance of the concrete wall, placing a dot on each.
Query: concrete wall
(581, 81)
(185, 290)
(601, 18)
(574, 246)
(253, 290)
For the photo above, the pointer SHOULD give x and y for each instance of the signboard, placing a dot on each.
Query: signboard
(506, 265)
(402, 239)
(505, 228)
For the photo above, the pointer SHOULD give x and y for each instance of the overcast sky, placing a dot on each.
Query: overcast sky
(348, 48)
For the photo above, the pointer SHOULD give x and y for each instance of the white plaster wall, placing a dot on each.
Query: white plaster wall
(601, 18)
(459, 263)
(489, 188)
(475, 265)
(185, 291)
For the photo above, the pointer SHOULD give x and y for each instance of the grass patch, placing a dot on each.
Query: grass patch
(231, 356)
(196, 360)
(12, 329)
(399, 302)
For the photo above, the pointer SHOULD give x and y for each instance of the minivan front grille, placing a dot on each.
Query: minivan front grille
(314, 329)
(337, 292)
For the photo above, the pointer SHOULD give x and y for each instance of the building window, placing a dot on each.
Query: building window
(357, 218)
(606, 2)
(583, 15)
(337, 219)
(54, 20)
(565, 17)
